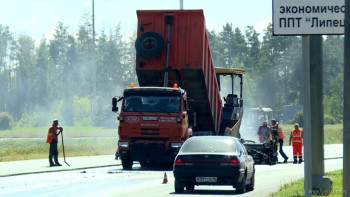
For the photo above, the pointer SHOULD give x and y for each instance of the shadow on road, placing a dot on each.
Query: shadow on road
(206, 192)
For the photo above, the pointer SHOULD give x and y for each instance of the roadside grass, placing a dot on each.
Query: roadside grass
(333, 134)
(21, 143)
(24, 149)
(296, 189)
(38, 132)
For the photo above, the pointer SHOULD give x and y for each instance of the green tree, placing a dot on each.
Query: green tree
(333, 63)
(61, 79)
(214, 44)
(6, 40)
(24, 65)
(278, 64)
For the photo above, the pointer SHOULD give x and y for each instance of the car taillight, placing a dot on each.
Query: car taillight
(183, 161)
(179, 161)
(234, 162)
(230, 162)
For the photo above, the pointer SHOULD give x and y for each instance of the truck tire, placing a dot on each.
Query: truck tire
(149, 44)
(127, 163)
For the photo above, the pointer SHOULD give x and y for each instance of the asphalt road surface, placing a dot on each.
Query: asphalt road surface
(114, 181)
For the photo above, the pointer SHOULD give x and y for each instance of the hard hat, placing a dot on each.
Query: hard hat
(264, 122)
(296, 124)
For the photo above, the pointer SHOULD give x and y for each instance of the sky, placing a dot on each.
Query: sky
(38, 18)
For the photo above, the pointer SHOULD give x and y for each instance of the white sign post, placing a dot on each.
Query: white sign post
(300, 17)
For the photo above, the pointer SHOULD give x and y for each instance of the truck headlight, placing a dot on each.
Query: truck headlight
(178, 119)
(123, 144)
(175, 144)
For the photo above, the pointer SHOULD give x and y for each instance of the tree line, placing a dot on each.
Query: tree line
(57, 78)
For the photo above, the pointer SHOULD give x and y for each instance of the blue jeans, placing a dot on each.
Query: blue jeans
(280, 141)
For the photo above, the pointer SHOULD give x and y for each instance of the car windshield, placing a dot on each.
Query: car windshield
(209, 144)
(166, 104)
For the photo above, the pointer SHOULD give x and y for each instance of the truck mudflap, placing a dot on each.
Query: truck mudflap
(262, 153)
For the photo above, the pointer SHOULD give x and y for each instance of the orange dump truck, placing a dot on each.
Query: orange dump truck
(178, 94)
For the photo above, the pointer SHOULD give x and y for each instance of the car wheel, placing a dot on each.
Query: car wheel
(179, 187)
(190, 187)
(143, 164)
(127, 163)
(149, 44)
(242, 187)
(250, 187)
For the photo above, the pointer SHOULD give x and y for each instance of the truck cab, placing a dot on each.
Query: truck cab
(153, 124)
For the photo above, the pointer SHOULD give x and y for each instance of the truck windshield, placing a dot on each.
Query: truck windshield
(165, 104)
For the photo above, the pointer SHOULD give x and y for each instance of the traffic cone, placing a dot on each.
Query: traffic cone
(165, 179)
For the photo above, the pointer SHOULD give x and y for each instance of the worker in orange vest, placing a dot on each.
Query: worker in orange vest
(264, 133)
(296, 138)
(280, 136)
(52, 138)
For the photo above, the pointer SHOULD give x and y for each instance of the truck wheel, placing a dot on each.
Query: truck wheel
(149, 44)
(179, 187)
(127, 163)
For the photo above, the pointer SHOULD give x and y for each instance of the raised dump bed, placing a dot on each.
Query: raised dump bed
(176, 41)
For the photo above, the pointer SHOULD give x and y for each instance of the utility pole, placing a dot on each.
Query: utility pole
(346, 106)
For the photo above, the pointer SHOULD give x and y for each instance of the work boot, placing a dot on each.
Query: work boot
(51, 162)
(285, 160)
(300, 160)
(56, 161)
(295, 160)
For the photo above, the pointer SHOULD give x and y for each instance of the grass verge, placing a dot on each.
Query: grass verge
(86, 141)
(296, 189)
(333, 134)
(41, 132)
(23, 149)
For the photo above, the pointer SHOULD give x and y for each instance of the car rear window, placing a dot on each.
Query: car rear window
(219, 145)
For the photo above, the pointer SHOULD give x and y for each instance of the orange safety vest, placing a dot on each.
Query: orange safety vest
(280, 132)
(297, 137)
(51, 134)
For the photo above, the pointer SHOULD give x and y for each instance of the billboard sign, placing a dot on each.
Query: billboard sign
(305, 17)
